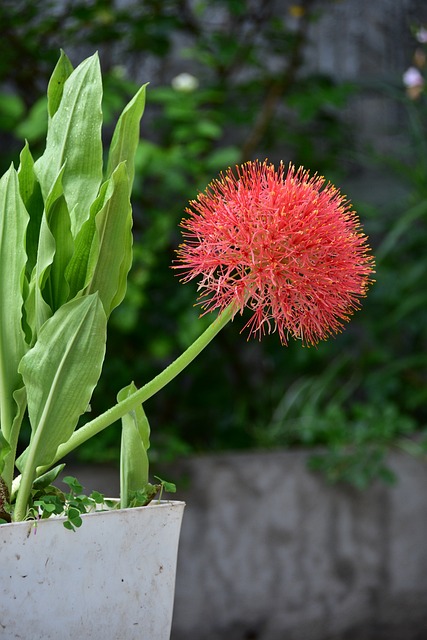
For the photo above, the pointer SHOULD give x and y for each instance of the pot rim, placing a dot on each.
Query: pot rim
(154, 504)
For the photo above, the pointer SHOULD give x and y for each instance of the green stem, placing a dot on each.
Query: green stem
(6, 428)
(113, 414)
(25, 486)
(9, 465)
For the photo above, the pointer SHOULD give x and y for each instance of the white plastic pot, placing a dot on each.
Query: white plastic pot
(112, 579)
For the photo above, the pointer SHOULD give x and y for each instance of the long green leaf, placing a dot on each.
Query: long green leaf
(56, 289)
(126, 136)
(13, 225)
(58, 223)
(111, 253)
(135, 442)
(38, 308)
(20, 398)
(32, 198)
(79, 270)
(4, 452)
(55, 88)
(74, 138)
(60, 373)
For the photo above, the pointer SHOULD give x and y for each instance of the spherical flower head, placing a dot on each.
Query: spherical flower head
(280, 243)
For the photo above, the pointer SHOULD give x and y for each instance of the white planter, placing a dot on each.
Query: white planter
(112, 579)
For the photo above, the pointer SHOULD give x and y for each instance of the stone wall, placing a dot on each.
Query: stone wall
(269, 551)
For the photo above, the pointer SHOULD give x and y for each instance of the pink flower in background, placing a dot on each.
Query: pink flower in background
(413, 78)
(421, 35)
(283, 244)
(414, 82)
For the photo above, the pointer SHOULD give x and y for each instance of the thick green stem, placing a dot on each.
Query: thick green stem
(6, 430)
(9, 466)
(20, 402)
(110, 416)
(25, 486)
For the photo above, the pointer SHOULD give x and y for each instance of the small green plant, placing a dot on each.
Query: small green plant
(356, 443)
(142, 497)
(47, 500)
(351, 440)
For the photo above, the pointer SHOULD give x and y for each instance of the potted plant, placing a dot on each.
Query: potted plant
(275, 241)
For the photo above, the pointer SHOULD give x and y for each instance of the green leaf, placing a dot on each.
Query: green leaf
(20, 399)
(60, 373)
(169, 487)
(73, 484)
(74, 137)
(55, 88)
(134, 446)
(57, 219)
(142, 497)
(32, 198)
(79, 271)
(49, 507)
(4, 451)
(111, 252)
(13, 225)
(47, 478)
(126, 136)
(37, 308)
(74, 518)
(97, 497)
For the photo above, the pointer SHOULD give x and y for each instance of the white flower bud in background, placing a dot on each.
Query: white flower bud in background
(421, 35)
(412, 78)
(185, 82)
(414, 82)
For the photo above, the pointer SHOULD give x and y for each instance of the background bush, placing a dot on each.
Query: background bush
(252, 96)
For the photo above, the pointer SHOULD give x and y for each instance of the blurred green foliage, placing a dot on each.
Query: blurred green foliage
(249, 96)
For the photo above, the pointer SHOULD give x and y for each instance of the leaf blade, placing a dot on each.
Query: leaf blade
(55, 89)
(31, 196)
(60, 374)
(113, 247)
(126, 136)
(135, 442)
(13, 224)
(74, 137)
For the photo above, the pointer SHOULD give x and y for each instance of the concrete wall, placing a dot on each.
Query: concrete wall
(269, 551)
(371, 43)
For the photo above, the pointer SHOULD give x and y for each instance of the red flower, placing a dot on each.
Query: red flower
(282, 244)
